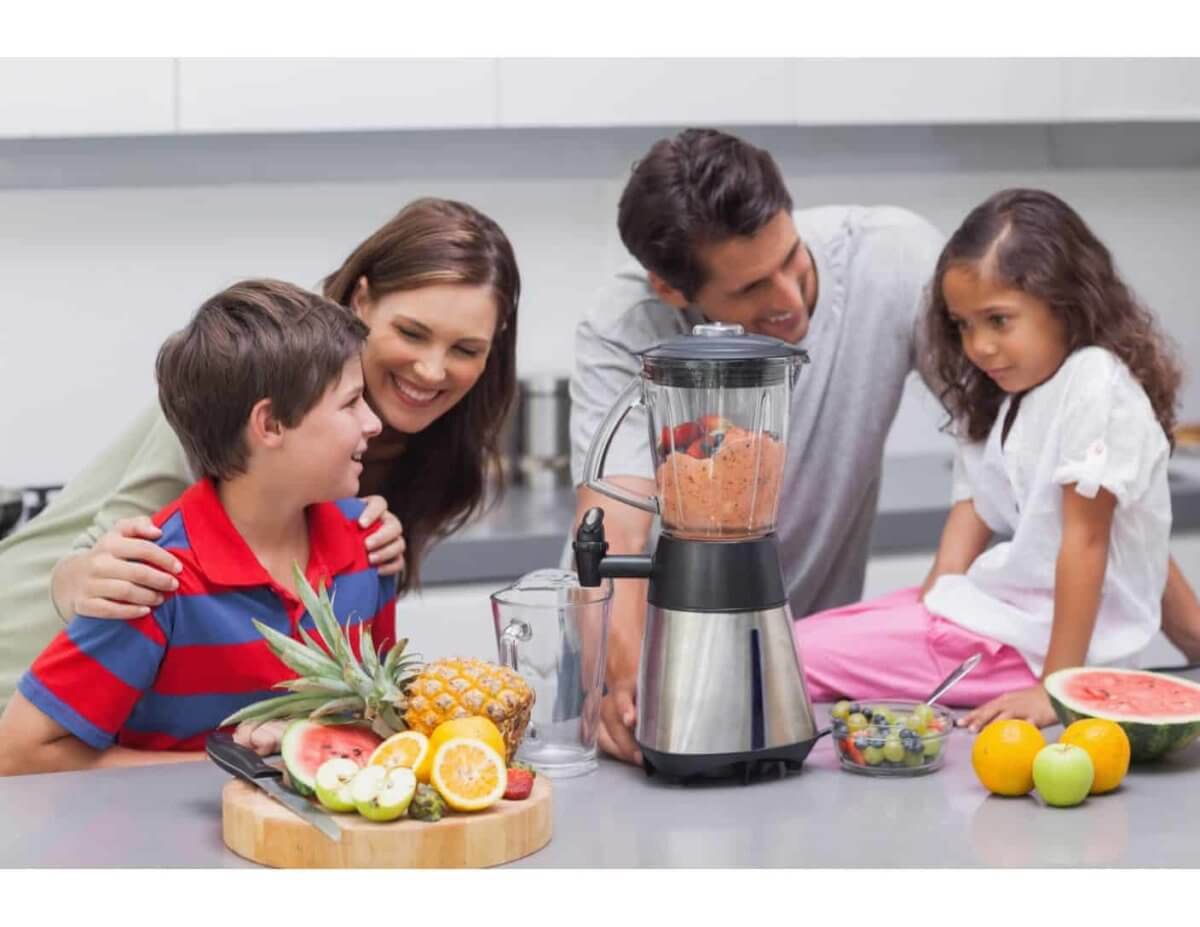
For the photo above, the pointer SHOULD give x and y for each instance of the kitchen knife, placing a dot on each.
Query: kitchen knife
(249, 766)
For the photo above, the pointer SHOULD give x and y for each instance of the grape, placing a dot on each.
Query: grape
(841, 710)
(925, 713)
(916, 723)
(857, 722)
(873, 756)
(933, 747)
(893, 750)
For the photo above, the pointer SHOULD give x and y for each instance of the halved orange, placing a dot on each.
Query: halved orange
(409, 749)
(476, 726)
(469, 774)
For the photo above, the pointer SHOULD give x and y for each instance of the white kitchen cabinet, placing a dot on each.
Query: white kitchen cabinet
(1131, 89)
(648, 91)
(858, 91)
(323, 95)
(51, 97)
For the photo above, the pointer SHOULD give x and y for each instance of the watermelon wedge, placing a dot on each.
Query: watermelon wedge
(307, 744)
(1159, 713)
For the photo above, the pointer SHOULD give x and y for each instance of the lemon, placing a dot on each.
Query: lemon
(469, 774)
(476, 727)
(408, 749)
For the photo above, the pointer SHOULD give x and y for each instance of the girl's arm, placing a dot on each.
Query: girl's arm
(31, 742)
(963, 539)
(1079, 576)
(1078, 583)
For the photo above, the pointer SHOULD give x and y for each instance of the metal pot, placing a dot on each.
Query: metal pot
(541, 434)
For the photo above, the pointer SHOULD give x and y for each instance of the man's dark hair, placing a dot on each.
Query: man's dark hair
(259, 339)
(697, 188)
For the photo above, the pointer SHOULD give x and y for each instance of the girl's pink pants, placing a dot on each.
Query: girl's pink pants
(893, 647)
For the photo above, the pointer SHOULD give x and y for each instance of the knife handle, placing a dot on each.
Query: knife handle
(238, 760)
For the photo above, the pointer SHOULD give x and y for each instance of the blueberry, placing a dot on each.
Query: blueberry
(861, 742)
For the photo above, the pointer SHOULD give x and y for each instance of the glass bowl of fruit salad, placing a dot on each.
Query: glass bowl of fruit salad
(890, 738)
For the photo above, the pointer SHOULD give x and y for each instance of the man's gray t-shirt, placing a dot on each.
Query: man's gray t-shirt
(873, 265)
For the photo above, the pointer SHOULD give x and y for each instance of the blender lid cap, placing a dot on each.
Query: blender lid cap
(717, 341)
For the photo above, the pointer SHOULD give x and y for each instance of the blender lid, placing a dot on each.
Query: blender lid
(716, 341)
(718, 356)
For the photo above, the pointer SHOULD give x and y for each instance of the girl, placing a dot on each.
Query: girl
(438, 287)
(1061, 390)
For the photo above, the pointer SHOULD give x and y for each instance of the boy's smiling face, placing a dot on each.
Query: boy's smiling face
(324, 451)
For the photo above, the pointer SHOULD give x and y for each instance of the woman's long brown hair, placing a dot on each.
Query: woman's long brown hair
(1034, 242)
(438, 483)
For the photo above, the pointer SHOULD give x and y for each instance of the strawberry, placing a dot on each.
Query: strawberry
(520, 784)
(686, 433)
(696, 449)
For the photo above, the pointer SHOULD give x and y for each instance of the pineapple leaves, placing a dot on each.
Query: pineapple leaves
(351, 704)
(304, 660)
(285, 706)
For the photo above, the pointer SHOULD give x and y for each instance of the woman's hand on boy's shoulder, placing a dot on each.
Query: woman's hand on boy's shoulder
(126, 573)
(1031, 704)
(385, 545)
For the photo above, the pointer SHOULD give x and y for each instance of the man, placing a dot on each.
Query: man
(710, 221)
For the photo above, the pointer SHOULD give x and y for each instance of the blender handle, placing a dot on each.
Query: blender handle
(593, 466)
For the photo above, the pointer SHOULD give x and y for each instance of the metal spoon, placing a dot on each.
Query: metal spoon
(969, 664)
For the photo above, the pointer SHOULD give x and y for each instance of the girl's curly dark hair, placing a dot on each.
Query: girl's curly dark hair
(1036, 243)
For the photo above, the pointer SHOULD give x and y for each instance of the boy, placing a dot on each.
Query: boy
(264, 388)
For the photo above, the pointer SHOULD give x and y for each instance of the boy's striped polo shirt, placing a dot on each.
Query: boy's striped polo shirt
(166, 680)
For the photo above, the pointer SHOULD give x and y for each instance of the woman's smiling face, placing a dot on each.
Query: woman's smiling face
(426, 349)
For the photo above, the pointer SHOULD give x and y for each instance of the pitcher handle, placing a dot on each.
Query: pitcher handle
(516, 632)
(593, 466)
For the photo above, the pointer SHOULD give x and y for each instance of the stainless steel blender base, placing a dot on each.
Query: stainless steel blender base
(749, 767)
(720, 688)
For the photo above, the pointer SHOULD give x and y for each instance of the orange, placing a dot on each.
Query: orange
(1003, 756)
(469, 774)
(1108, 746)
(477, 727)
(408, 749)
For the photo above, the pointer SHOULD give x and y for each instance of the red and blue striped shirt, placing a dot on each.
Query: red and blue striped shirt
(166, 680)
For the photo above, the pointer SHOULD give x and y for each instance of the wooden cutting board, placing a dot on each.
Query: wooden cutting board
(260, 829)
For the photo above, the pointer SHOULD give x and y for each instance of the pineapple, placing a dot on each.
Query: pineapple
(463, 687)
(392, 694)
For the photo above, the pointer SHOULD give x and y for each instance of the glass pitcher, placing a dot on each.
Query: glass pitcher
(717, 404)
(554, 632)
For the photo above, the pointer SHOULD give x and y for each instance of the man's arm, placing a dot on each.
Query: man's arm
(32, 742)
(627, 531)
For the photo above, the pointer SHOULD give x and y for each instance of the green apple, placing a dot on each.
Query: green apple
(1063, 774)
(383, 794)
(333, 783)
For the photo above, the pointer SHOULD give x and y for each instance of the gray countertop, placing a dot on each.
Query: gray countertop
(528, 529)
(170, 816)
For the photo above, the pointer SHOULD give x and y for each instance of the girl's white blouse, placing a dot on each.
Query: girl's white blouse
(1091, 425)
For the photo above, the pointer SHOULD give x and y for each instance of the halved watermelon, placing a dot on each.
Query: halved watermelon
(307, 744)
(1159, 713)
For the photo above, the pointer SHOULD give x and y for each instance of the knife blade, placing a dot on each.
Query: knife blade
(248, 766)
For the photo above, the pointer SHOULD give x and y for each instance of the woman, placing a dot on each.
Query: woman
(438, 287)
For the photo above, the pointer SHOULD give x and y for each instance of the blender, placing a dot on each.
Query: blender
(720, 687)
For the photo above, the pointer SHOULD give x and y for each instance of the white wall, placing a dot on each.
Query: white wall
(106, 246)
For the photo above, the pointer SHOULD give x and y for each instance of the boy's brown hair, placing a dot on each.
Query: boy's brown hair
(699, 187)
(259, 339)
